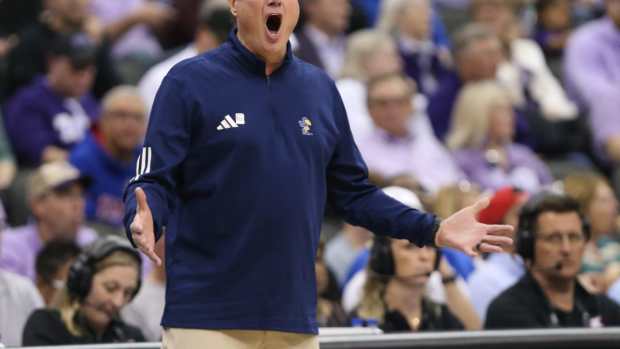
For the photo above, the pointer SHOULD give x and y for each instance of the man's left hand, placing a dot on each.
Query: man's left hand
(463, 232)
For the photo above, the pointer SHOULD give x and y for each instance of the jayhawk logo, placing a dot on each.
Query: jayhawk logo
(306, 126)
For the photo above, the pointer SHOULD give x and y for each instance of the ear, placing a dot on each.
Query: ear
(233, 7)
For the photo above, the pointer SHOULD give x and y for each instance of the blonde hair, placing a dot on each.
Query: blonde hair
(360, 46)
(372, 305)
(122, 91)
(471, 114)
(582, 187)
(68, 305)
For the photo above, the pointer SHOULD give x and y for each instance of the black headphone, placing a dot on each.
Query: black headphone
(382, 258)
(526, 231)
(82, 270)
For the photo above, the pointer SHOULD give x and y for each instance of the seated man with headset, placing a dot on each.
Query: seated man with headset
(551, 238)
(102, 280)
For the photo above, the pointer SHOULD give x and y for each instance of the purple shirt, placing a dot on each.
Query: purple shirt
(419, 155)
(19, 248)
(37, 117)
(525, 169)
(592, 72)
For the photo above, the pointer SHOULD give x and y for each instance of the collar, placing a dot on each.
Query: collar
(580, 294)
(250, 60)
(409, 45)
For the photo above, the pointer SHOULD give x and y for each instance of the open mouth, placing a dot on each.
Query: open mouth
(274, 22)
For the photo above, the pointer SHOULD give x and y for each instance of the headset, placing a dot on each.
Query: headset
(382, 258)
(82, 270)
(526, 231)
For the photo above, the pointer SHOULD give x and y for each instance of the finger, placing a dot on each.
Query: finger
(136, 227)
(470, 252)
(503, 241)
(499, 229)
(488, 248)
(141, 199)
(153, 256)
(481, 204)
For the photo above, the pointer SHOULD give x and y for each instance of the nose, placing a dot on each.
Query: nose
(274, 3)
(119, 300)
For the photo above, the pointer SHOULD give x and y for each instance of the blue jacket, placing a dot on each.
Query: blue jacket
(238, 167)
(104, 196)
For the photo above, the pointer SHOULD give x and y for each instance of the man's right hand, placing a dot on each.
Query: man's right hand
(142, 227)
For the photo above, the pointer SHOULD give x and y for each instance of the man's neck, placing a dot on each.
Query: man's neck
(45, 233)
(273, 60)
(559, 292)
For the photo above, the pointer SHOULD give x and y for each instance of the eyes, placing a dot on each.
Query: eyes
(113, 287)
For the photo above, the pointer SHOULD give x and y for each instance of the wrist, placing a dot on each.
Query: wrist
(436, 229)
(448, 279)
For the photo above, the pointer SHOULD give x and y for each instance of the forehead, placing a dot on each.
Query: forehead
(125, 275)
(550, 222)
(390, 86)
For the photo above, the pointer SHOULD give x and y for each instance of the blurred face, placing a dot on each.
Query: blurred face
(603, 210)
(559, 239)
(415, 22)
(68, 80)
(613, 11)
(390, 106)
(74, 12)
(265, 25)
(557, 15)
(384, 60)
(111, 290)
(497, 14)
(123, 123)
(501, 126)
(480, 60)
(62, 211)
(412, 263)
(330, 16)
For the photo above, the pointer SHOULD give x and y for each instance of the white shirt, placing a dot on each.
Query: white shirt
(331, 50)
(18, 298)
(147, 309)
(150, 82)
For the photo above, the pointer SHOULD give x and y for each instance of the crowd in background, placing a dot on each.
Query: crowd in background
(447, 100)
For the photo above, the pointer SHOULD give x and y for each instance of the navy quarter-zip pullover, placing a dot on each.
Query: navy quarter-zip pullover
(237, 167)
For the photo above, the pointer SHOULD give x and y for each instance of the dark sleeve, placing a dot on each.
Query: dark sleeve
(505, 312)
(449, 322)
(610, 311)
(25, 61)
(28, 130)
(44, 327)
(165, 147)
(362, 203)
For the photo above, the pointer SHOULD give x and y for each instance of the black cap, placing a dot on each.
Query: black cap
(78, 47)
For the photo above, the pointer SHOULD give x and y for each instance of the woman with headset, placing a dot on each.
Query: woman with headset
(394, 294)
(103, 279)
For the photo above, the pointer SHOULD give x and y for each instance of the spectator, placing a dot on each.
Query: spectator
(146, 310)
(8, 167)
(535, 93)
(52, 267)
(499, 270)
(322, 40)
(131, 26)
(370, 53)
(214, 24)
(481, 137)
(551, 240)
(342, 250)
(108, 155)
(400, 144)
(592, 73)
(329, 311)
(57, 201)
(600, 207)
(477, 53)
(60, 17)
(103, 279)
(394, 290)
(411, 23)
(18, 298)
(553, 27)
(52, 114)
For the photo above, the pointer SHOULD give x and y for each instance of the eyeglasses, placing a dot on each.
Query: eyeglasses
(383, 102)
(556, 239)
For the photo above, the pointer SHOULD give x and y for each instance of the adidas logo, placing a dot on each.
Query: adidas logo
(228, 121)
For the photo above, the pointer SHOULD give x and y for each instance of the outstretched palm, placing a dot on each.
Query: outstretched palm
(462, 231)
(142, 231)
